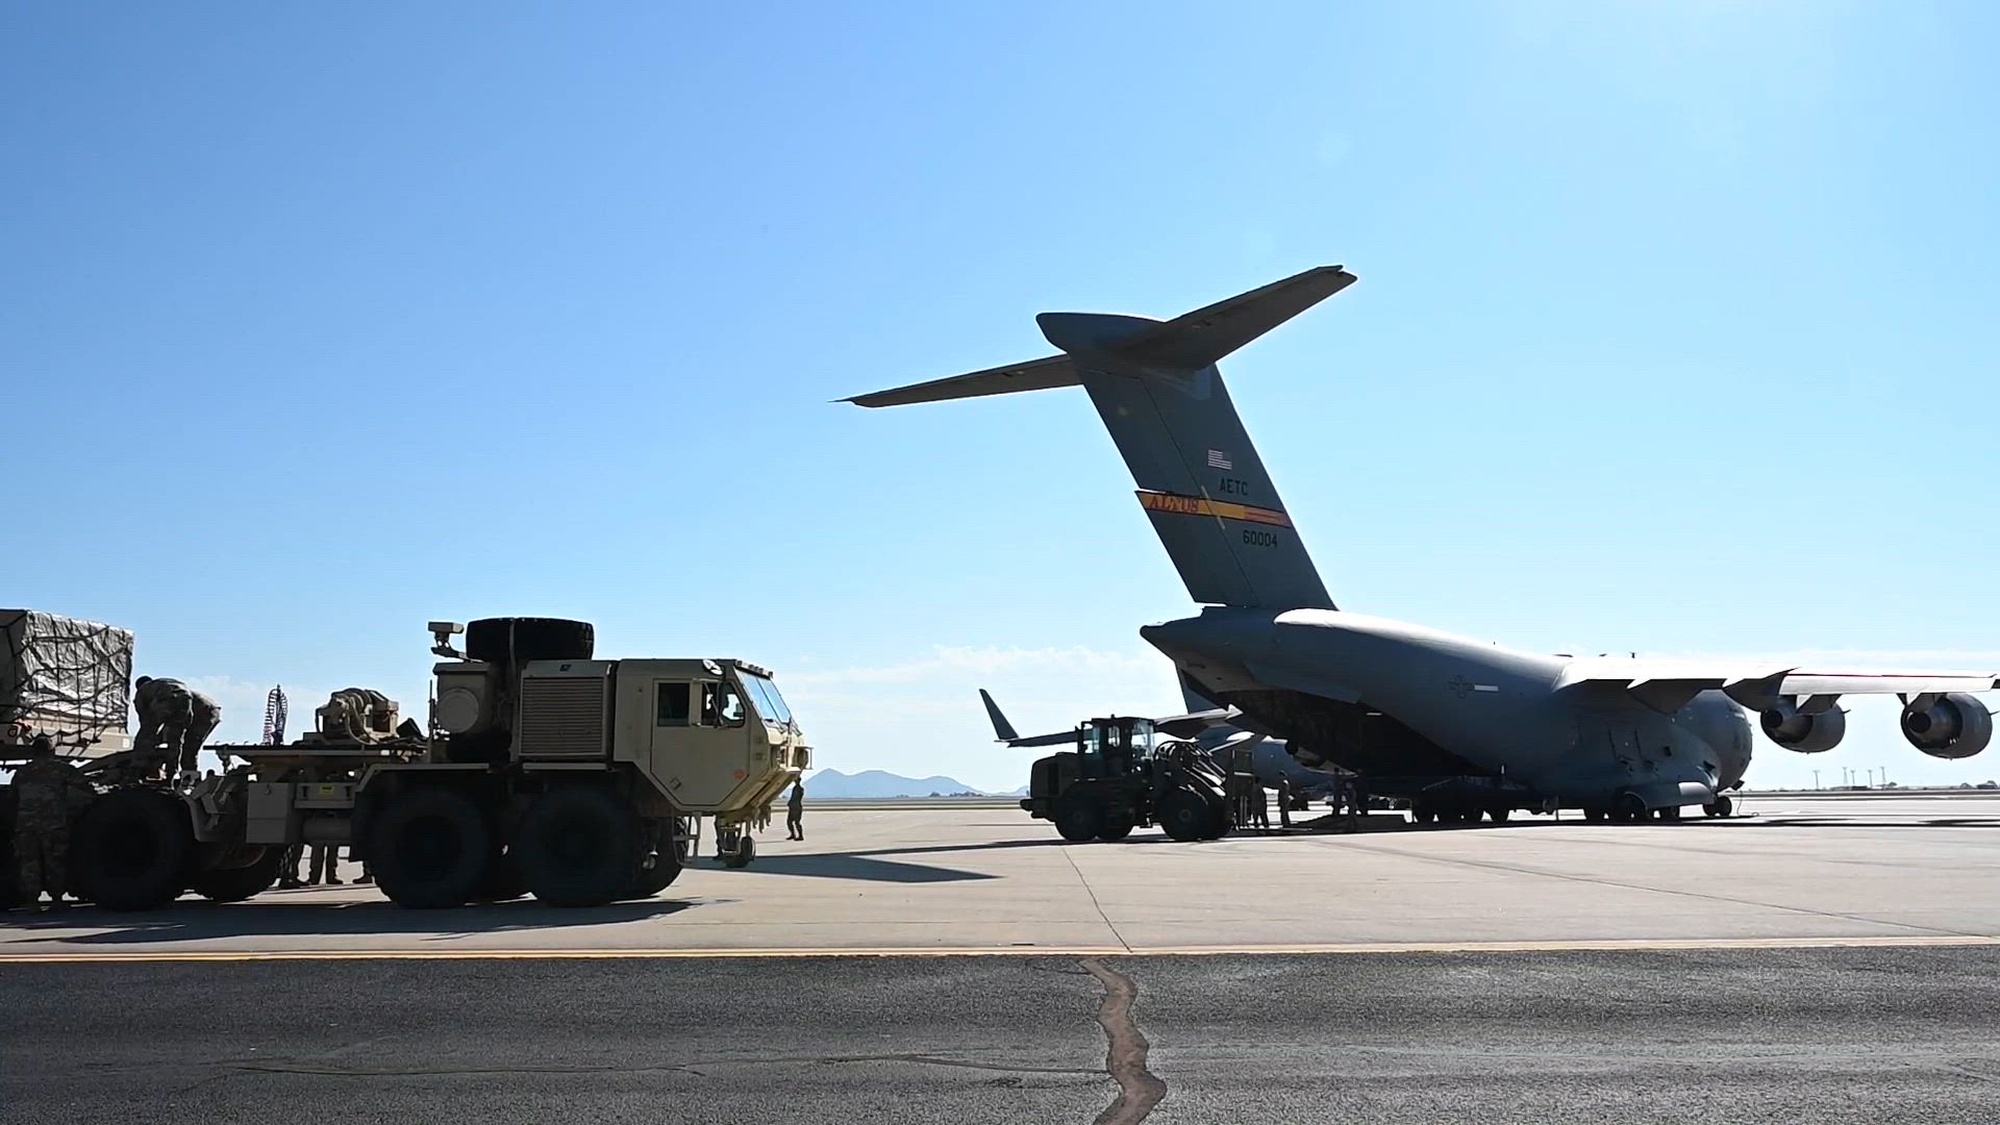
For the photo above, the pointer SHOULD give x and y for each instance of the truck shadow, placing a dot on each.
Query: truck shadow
(194, 920)
(860, 865)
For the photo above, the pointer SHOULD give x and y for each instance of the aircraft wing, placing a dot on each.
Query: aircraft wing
(1666, 685)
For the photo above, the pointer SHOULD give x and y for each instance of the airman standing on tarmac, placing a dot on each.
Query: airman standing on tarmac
(795, 812)
(325, 863)
(288, 868)
(48, 789)
(172, 713)
(1284, 801)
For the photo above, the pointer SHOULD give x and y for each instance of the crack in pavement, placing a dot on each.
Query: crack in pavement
(1092, 892)
(1139, 1089)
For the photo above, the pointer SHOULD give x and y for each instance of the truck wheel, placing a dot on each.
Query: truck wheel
(1117, 824)
(10, 873)
(503, 881)
(1079, 816)
(133, 849)
(669, 855)
(429, 848)
(652, 880)
(234, 884)
(579, 846)
(1184, 815)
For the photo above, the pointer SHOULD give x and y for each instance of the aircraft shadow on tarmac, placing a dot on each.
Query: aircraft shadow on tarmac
(196, 920)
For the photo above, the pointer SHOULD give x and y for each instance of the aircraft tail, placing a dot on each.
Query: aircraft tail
(1157, 389)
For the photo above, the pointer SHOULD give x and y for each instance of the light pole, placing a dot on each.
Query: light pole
(1815, 779)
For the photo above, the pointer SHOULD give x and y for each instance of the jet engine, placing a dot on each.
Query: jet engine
(1803, 732)
(1948, 726)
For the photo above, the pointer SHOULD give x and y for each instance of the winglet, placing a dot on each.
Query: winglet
(1002, 729)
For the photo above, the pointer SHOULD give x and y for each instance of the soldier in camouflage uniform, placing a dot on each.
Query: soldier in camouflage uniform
(47, 790)
(170, 712)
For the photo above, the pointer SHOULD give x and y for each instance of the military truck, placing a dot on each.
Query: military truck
(543, 771)
(1120, 778)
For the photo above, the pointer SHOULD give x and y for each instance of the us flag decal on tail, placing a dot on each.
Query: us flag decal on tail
(1217, 459)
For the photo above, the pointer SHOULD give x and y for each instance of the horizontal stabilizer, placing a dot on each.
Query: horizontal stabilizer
(1034, 375)
(1195, 340)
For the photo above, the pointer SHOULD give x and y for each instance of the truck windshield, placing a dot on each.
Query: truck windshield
(765, 698)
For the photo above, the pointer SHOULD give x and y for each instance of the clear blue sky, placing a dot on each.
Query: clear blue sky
(1675, 333)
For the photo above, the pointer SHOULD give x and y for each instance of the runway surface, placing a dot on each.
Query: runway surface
(1819, 960)
(993, 881)
(1828, 1035)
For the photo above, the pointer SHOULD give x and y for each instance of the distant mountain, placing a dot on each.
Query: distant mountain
(877, 784)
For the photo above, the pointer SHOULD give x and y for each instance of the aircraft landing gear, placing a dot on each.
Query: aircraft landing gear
(1629, 807)
(1721, 807)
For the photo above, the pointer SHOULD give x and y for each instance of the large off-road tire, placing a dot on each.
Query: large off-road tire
(10, 872)
(429, 847)
(1078, 815)
(669, 856)
(578, 845)
(1184, 815)
(133, 849)
(533, 638)
(234, 884)
(503, 880)
(1118, 823)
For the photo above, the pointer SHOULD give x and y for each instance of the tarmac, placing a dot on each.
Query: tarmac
(1816, 960)
(990, 880)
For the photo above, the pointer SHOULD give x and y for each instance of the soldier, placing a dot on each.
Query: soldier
(1284, 800)
(325, 863)
(173, 713)
(795, 811)
(288, 868)
(47, 790)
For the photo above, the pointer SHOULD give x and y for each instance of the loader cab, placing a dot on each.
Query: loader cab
(1114, 747)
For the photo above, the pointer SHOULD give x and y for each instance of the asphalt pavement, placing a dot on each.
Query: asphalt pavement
(1821, 1035)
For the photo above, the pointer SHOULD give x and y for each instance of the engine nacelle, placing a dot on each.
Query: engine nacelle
(1803, 733)
(1952, 726)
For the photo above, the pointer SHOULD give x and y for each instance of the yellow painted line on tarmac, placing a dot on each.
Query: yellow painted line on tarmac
(1914, 941)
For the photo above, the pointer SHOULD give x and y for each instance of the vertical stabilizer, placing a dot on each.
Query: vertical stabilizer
(1156, 386)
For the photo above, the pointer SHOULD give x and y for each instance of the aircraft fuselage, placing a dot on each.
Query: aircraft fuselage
(1326, 680)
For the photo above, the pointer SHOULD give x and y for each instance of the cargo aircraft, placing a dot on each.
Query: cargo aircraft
(1460, 726)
